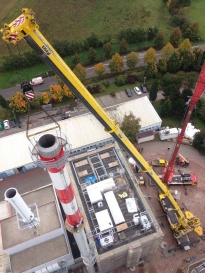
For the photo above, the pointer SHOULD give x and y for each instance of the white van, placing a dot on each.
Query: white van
(36, 81)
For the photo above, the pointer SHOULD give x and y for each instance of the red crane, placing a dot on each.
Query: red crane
(199, 90)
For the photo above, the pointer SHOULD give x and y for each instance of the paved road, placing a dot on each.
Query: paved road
(6, 93)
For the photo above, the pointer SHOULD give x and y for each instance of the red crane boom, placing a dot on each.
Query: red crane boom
(199, 90)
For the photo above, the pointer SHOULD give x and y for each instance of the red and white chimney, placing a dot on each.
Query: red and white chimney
(53, 157)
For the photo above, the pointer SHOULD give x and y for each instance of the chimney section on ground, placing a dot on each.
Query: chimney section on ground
(14, 198)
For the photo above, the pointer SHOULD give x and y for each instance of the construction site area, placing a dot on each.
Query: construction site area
(103, 204)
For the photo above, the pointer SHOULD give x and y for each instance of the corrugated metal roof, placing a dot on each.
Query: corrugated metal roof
(80, 130)
(141, 108)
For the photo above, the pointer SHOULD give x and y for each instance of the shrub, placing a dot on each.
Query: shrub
(121, 80)
(131, 78)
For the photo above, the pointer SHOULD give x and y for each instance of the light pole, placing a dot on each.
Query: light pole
(144, 80)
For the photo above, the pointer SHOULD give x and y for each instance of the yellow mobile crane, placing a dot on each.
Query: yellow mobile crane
(25, 27)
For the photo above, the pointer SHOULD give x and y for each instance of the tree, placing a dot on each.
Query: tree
(132, 60)
(92, 55)
(56, 92)
(80, 72)
(166, 108)
(174, 63)
(187, 59)
(198, 59)
(67, 93)
(150, 70)
(186, 94)
(185, 45)
(75, 60)
(99, 69)
(107, 50)
(153, 91)
(123, 48)
(18, 103)
(199, 141)
(167, 51)
(116, 64)
(162, 66)
(130, 126)
(159, 40)
(150, 56)
(175, 37)
(59, 80)
(44, 98)
(192, 32)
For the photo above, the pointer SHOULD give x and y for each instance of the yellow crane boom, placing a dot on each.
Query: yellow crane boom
(25, 27)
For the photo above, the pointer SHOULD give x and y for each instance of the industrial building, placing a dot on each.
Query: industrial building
(86, 127)
(124, 232)
(119, 225)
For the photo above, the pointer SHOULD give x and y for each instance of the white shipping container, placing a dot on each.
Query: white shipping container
(114, 207)
(168, 133)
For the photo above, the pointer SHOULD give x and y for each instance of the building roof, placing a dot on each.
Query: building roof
(141, 108)
(80, 130)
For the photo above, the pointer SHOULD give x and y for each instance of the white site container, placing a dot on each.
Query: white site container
(168, 133)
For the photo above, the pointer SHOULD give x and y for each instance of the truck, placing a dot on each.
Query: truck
(25, 27)
(159, 163)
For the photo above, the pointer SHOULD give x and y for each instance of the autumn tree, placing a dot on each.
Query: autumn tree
(123, 48)
(175, 37)
(92, 55)
(150, 56)
(116, 64)
(132, 60)
(56, 92)
(80, 72)
(107, 50)
(186, 55)
(99, 69)
(167, 51)
(185, 45)
(75, 60)
(67, 93)
(159, 40)
(18, 103)
(130, 126)
(44, 98)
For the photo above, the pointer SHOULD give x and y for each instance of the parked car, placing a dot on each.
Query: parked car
(6, 124)
(65, 117)
(128, 92)
(144, 88)
(1, 126)
(12, 123)
(137, 90)
(36, 81)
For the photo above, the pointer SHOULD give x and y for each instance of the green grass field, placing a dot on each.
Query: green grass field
(196, 13)
(75, 22)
